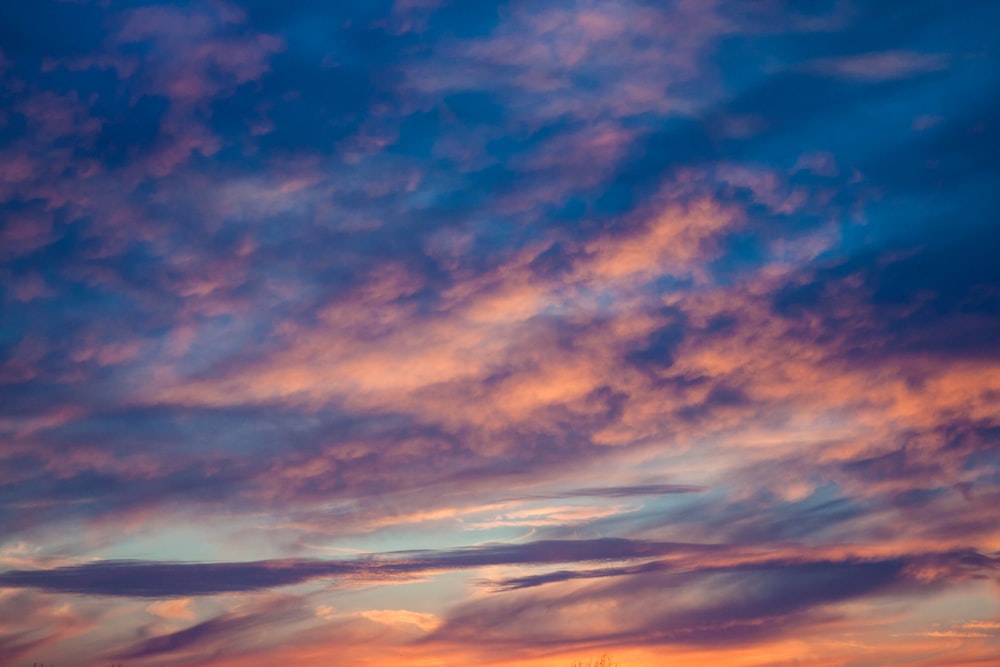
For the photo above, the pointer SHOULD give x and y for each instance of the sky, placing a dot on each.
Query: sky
(447, 333)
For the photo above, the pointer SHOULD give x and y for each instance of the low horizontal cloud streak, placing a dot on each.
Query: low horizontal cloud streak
(736, 603)
(164, 579)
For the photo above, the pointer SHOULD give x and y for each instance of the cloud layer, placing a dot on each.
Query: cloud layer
(444, 331)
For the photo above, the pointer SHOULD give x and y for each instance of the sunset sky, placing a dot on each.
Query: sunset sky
(475, 333)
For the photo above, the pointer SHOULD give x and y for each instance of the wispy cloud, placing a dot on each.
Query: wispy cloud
(165, 579)
(662, 329)
(884, 66)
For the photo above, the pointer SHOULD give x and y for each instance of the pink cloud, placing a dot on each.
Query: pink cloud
(199, 55)
(26, 231)
(30, 287)
(534, 53)
(883, 66)
(821, 163)
(56, 116)
(194, 47)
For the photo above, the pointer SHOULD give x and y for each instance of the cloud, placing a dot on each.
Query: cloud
(177, 580)
(31, 623)
(373, 280)
(629, 491)
(172, 609)
(206, 633)
(394, 617)
(639, 54)
(738, 604)
(154, 580)
(885, 66)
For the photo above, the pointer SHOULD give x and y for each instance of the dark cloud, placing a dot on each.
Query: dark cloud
(756, 610)
(225, 627)
(190, 637)
(938, 299)
(737, 603)
(153, 579)
(156, 580)
(629, 491)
